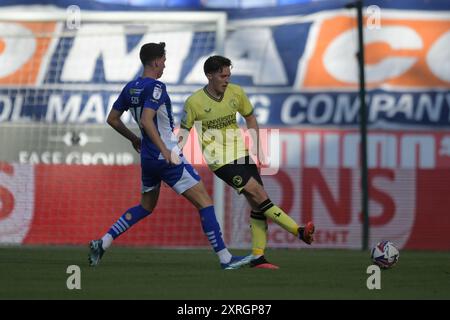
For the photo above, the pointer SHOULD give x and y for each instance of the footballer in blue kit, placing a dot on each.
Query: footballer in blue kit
(149, 93)
(161, 159)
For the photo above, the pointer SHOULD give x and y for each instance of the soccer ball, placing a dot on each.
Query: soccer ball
(384, 254)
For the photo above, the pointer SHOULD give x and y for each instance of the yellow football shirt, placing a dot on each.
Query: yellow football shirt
(215, 122)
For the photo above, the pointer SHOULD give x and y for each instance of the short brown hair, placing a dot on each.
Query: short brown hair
(216, 64)
(151, 51)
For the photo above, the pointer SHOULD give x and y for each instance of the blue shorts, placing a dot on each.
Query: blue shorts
(179, 177)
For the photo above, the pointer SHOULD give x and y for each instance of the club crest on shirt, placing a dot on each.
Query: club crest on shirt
(233, 104)
(157, 91)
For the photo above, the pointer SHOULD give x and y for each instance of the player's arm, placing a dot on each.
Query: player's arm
(186, 124)
(114, 121)
(253, 129)
(182, 136)
(246, 110)
(150, 129)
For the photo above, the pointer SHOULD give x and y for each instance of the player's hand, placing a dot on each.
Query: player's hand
(262, 159)
(175, 158)
(171, 156)
(136, 144)
(259, 155)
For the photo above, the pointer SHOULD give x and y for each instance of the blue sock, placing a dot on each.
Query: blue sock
(211, 228)
(129, 218)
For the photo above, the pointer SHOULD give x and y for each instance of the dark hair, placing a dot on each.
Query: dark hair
(151, 51)
(215, 64)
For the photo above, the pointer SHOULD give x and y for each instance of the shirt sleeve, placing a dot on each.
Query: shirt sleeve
(121, 102)
(187, 121)
(155, 95)
(245, 107)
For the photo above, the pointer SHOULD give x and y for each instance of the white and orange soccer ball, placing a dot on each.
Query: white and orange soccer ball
(384, 254)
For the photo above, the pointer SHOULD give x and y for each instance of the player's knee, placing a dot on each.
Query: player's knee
(198, 196)
(204, 200)
(256, 191)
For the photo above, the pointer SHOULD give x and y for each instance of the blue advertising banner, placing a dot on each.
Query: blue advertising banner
(298, 68)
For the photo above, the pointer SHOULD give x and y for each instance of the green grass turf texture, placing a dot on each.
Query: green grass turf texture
(148, 273)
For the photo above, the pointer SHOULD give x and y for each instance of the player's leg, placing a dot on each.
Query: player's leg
(200, 198)
(255, 191)
(245, 178)
(237, 176)
(185, 181)
(149, 198)
(258, 228)
(129, 218)
(132, 216)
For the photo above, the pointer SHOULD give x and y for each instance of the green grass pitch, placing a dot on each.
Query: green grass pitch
(143, 273)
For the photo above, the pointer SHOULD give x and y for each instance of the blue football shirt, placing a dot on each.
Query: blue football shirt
(149, 93)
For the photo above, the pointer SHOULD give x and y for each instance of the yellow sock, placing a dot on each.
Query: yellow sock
(277, 215)
(258, 228)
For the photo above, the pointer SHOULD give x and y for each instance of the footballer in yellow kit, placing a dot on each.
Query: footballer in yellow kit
(221, 139)
(212, 110)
